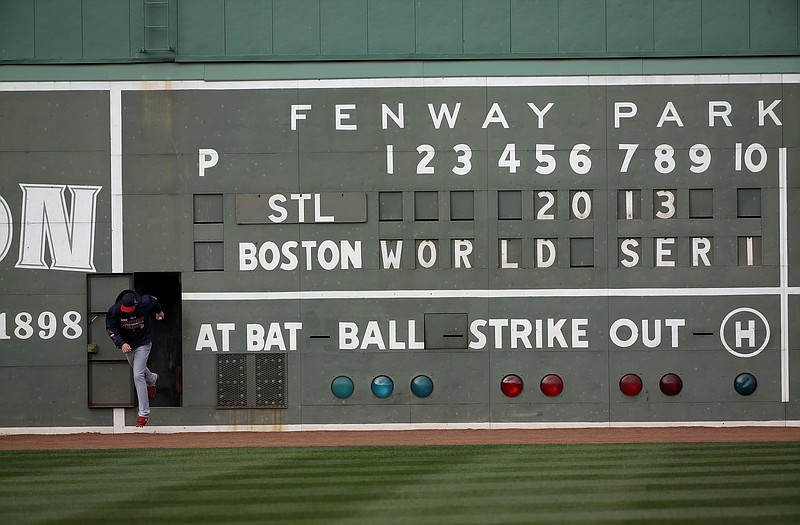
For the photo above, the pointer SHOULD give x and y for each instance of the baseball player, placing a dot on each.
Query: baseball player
(129, 323)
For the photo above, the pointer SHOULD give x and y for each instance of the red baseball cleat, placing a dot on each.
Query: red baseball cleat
(141, 421)
(151, 390)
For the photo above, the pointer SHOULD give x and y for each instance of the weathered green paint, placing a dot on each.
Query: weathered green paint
(181, 231)
(177, 220)
(86, 31)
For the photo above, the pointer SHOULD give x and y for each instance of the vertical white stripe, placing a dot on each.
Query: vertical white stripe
(783, 202)
(629, 204)
(115, 94)
(119, 419)
(390, 159)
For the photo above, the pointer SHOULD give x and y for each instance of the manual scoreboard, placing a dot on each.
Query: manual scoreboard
(457, 250)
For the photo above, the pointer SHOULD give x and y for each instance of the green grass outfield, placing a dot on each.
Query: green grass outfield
(749, 483)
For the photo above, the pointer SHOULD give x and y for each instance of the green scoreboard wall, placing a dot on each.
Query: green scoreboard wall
(401, 213)
(119, 31)
(413, 251)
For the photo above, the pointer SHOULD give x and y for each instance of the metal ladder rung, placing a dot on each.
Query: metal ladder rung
(155, 30)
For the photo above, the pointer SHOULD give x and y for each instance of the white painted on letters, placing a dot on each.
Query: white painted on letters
(373, 336)
(498, 325)
(520, 332)
(462, 249)
(495, 115)
(207, 339)
(208, 158)
(429, 260)
(444, 112)
(674, 325)
(504, 262)
(700, 248)
(398, 118)
(330, 255)
(749, 333)
(670, 114)
(6, 228)
(318, 217)
(301, 199)
(390, 159)
(296, 115)
(259, 339)
(540, 113)
(274, 204)
(663, 250)
(627, 247)
(290, 258)
(413, 343)
(391, 258)
(721, 109)
(554, 332)
(613, 332)
(341, 116)
(394, 343)
(69, 235)
(649, 342)
(579, 333)
(478, 340)
(348, 335)
(624, 110)
(331, 260)
(628, 205)
(541, 260)
(769, 110)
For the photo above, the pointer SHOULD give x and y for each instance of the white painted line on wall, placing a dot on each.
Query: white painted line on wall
(484, 294)
(783, 205)
(117, 244)
(407, 82)
(497, 425)
(119, 419)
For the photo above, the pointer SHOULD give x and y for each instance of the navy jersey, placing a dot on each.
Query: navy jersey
(136, 327)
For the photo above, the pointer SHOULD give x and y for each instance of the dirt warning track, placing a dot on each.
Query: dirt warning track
(399, 438)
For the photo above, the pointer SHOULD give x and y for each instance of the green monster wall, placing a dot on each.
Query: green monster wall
(84, 31)
(460, 197)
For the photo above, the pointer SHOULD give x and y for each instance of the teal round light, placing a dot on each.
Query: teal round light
(382, 386)
(745, 384)
(421, 386)
(342, 387)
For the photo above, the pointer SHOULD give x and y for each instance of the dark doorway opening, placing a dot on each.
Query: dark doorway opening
(166, 357)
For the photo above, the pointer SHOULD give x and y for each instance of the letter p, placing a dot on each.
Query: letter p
(623, 110)
(208, 158)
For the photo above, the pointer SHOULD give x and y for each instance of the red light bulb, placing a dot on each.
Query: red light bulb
(511, 385)
(551, 385)
(630, 384)
(671, 384)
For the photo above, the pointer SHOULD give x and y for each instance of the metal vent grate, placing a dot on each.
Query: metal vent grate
(271, 381)
(231, 381)
(251, 381)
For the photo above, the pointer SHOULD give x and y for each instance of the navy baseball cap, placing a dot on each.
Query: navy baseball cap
(128, 303)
